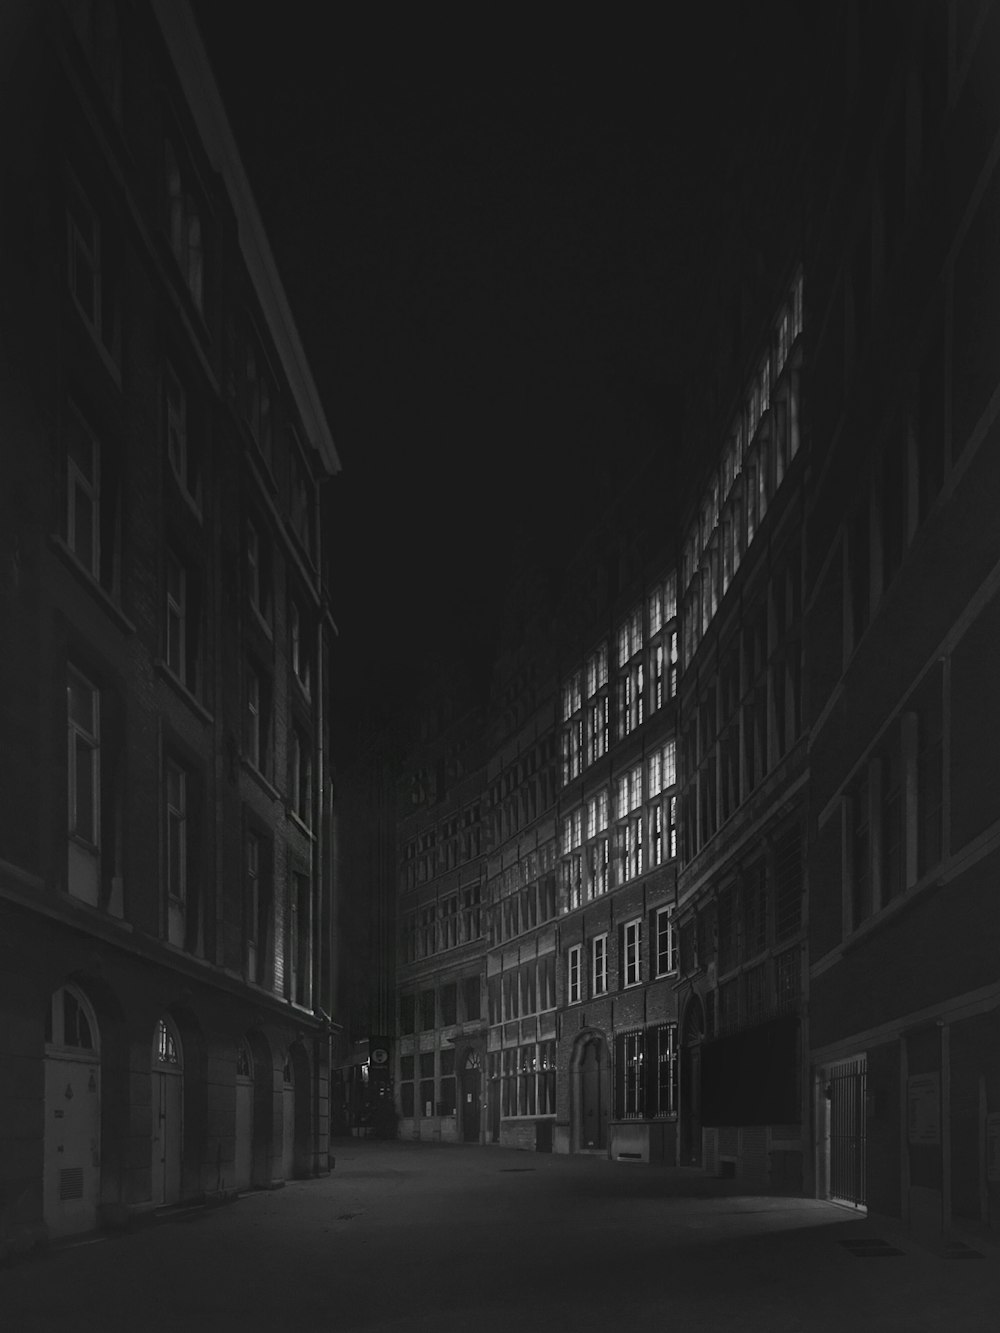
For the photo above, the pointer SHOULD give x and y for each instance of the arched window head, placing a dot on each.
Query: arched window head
(244, 1061)
(70, 1021)
(167, 1052)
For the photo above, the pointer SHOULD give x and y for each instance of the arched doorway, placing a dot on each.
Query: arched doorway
(591, 1088)
(287, 1119)
(72, 1153)
(472, 1075)
(692, 1033)
(168, 1113)
(243, 1136)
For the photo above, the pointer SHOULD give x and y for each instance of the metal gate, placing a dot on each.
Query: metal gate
(847, 1144)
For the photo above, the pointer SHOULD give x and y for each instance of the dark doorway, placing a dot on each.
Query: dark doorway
(471, 1097)
(690, 1127)
(593, 1111)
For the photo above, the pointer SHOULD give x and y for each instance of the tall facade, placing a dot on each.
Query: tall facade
(764, 874)
(901, 620)
(166, 803)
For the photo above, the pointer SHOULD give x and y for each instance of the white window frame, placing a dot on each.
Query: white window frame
(80, 487)
(86, 739)
(178, 432)
(300, 658)
(80, 212)
(176, 616)
(665, 915)
(599, 965)
(632, 952)
(176, 817)
(574, 974)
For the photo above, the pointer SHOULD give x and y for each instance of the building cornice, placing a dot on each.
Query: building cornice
(190, 60)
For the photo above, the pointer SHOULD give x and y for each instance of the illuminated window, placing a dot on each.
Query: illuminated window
(166, 1044)
(629, 1075)
(631, 960)
(573, 980)
(666, 949)
(599, 965)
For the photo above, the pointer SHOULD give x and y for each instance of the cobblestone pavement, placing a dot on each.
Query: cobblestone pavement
(412, 1237)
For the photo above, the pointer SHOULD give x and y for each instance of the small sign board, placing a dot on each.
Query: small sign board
(923, 1106)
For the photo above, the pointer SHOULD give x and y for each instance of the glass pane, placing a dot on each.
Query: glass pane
(83, 532)
(83, 821)
(81, 703)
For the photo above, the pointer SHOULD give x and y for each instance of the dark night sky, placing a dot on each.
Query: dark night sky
(491, 242)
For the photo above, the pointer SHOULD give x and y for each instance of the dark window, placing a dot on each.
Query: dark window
(930, 781)
(892, 824)
(860, 571)
(449, 1003)
(787, 884)
(754, 910)
(407, 1013)
(861, 886)
(930, 421)
(893, 504)
(447, 1102)
(471, 997)
(426, 1010)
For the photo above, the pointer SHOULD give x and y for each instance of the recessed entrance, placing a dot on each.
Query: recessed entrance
(692, 1033)
(288, 1119)
(843, 1136)
(168, 1113)
(591, 1088)
(471, 1096)
(243, 1144)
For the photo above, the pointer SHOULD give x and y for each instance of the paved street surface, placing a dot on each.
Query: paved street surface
(409, 1237)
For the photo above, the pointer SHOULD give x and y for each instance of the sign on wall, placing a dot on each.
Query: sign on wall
(923, 1109)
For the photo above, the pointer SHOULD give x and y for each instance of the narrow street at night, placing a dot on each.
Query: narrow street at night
(417, 1236)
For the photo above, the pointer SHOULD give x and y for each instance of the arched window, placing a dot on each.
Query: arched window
(473, 1060)
(167, 1044)
(244, 1061)
(70, 1021)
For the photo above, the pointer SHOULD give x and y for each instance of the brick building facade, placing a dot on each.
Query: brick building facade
(769, 698)
(165, 813)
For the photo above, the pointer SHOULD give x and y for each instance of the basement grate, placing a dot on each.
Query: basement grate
(871, 1247)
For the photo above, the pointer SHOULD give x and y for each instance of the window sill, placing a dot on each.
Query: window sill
(86, 578)
(182, 692)
(263, 624)
(263, 782)
(302, 826)
(192, 503)
(107, 358)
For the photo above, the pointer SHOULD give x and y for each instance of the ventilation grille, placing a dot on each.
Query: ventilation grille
(71, 1183)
